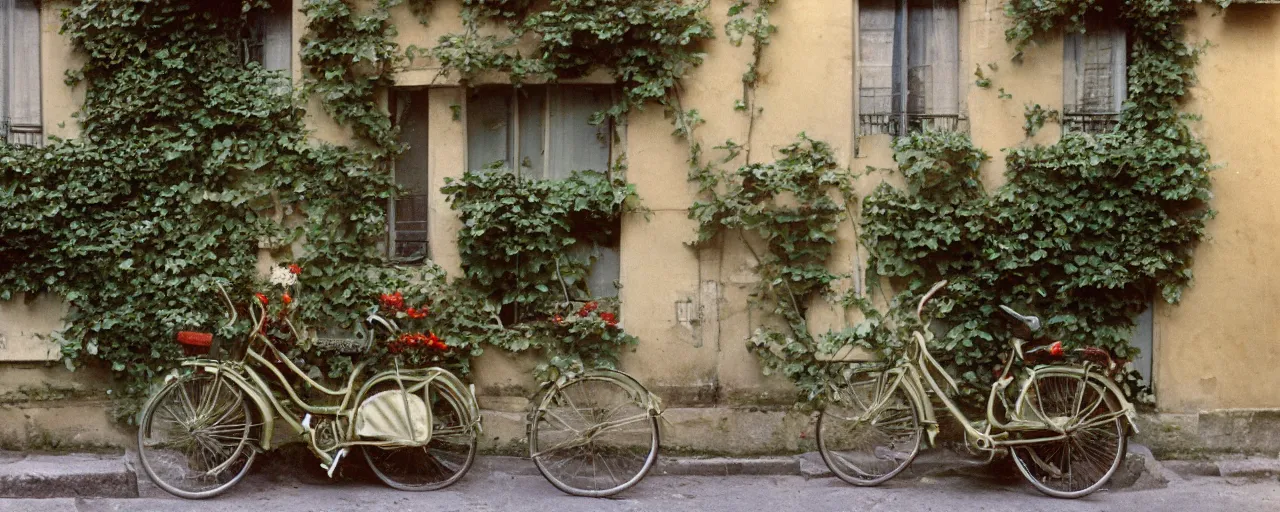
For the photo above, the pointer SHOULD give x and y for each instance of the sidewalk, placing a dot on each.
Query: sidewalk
(509, 484)
(119, 476)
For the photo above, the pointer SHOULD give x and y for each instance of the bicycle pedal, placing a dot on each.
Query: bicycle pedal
(334, 465)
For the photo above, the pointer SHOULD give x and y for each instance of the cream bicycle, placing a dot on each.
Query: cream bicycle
(1067, 429)
(594, 434)
(199, 434)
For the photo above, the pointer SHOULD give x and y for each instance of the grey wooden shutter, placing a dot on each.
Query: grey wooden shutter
(23, 109)
(1094, 72)
(277, 39)
(6, 28)
(877, 94)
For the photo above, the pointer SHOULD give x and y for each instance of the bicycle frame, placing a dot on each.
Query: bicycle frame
(914, 373)
(246, 374)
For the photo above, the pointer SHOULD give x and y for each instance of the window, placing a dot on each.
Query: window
(407, 213)
(20, 72)
(908, 62)
(545, 132)
(268, 35)
(1094, 72)
(539, 132)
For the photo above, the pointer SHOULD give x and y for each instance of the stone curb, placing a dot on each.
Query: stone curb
(66, 476)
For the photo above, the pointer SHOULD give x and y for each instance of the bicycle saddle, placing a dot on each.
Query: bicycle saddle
(1032, 321)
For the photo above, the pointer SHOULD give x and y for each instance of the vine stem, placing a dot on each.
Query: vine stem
(795, 303)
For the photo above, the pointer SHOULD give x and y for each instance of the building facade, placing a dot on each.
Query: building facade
(852, 73)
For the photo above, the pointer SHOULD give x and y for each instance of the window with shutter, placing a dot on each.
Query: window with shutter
(407, 213)
(268, 37)
(545, 132)
(1094, 73)
(908, 66)
(20, 121)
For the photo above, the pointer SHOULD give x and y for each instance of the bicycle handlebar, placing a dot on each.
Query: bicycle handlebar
(936, 286)
(230, 305)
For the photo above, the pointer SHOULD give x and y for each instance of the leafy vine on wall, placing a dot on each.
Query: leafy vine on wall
(1085, 232)
(191, 162)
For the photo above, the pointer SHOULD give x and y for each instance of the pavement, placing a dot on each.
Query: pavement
(938, 480)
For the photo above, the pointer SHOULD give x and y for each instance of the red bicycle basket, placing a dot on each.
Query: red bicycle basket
(194, 343)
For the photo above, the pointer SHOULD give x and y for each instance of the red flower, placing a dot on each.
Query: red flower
(393, 301)
(434, 342)
(1055, 349)
(587, 309)
(262, 298)
(286, 299)
(421, 312)
(558, 320)
(609, 319)
(294, 269)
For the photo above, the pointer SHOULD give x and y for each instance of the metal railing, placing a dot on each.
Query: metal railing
(893, 124)
(1076, 120)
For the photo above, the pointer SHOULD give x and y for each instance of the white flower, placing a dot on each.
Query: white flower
(282, 276)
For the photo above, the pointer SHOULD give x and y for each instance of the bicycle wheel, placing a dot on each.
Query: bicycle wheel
(1092, 451)
(864, 443)
(443, 460)
(594, 436)
(196, 437)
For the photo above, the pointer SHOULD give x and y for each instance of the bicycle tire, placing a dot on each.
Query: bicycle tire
(444, 460)
(621, 435)
(862, 450)
(1094, 453)
(209, 426)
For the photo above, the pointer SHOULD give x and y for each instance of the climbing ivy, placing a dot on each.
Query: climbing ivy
(189, 162)
(1083, 233)
(792, 208)
(646, 45)
(528, 246)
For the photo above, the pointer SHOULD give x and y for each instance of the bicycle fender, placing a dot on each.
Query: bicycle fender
(264, 407)
(1130, 414)
(924, 408)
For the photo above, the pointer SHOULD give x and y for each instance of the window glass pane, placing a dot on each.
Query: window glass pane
(533, 111)
(409, 218)
(933, 57)
(488, 127)
(575, 144)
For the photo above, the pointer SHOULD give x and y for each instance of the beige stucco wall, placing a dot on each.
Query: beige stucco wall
(1219, 347)
(1216, 350)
